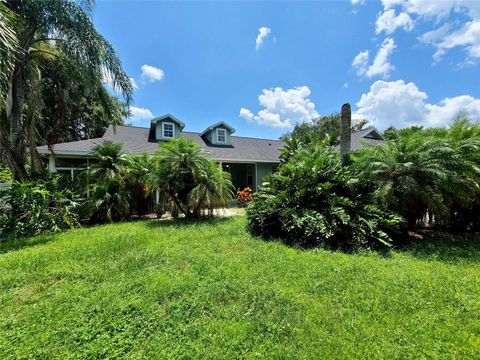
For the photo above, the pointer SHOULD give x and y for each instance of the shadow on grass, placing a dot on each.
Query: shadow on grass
(15, 244)
(182, 222)
(449, 248)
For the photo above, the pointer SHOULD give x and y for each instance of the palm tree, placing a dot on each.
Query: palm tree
(214, 188)
(8, 47)
(108, 202)
(62, 30)
(412, 174)
(178, 165)
(111, 161)
(138, 169)
(183, 174)
(109, 199)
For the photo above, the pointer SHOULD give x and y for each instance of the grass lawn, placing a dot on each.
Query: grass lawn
(209, 290)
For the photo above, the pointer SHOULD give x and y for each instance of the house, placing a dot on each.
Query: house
(247, 159)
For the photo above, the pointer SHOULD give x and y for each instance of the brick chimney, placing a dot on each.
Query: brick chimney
(345, 132)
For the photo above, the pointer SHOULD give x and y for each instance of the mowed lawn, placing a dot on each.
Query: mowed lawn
(159, 289)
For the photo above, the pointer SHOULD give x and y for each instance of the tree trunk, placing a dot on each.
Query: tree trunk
(11, 147)
(345, 133)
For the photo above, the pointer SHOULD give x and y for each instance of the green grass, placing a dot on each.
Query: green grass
(209, 290)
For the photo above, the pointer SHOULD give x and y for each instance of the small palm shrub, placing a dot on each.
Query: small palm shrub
(35, 207)
(108, 197)
(187, 180)
(312, 200)
(427, 173)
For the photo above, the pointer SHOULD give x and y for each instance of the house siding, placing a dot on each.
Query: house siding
(263, 169)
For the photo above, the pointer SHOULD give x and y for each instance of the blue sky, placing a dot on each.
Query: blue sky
(264, 66)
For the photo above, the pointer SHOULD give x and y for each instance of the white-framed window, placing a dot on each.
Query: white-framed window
(221, 135)
(168, 130)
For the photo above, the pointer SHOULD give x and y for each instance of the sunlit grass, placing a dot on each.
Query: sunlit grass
(209, 290)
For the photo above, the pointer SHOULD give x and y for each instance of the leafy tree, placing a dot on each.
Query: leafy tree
(315, 200)
(45, 30)
(327, 126)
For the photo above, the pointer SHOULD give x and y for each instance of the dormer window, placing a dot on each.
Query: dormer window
(221, 135)
(168, 130)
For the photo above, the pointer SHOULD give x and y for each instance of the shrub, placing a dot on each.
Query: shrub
(32, 208)
(315, 201)
(245, 196)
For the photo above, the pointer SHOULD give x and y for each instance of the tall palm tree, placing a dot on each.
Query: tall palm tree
(64, 30)
(8, 48)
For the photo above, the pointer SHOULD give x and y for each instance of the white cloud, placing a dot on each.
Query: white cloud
(392, 103)
(388, 21)
(263, 32)
(467, 37)
(381, 65)
(151, 73)
(403, 104)
(283, 109)
(442, 114)
(358, 2)
(139, 114)
(360, 63)
(453, 30)
(246, 114)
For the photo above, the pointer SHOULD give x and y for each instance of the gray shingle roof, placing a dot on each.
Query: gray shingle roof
(368, 136)
(139, 140)
(135, 140)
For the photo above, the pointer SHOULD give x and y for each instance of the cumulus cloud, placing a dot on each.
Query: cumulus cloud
(360, 62)
(151, 73)
(442, 113)
(138, 114)
(282, 109)
(467, 37)
(246, 114)
(381, 65)
(263, 32)
(446, 16)
(388, 21)
(403, 104)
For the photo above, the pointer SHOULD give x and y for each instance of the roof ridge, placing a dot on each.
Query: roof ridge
(233, 136)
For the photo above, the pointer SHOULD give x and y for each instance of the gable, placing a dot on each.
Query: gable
(219, 134)
(373, 134)
(167, 127)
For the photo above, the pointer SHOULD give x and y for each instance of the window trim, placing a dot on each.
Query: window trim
(163, 130)
(225, 136)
